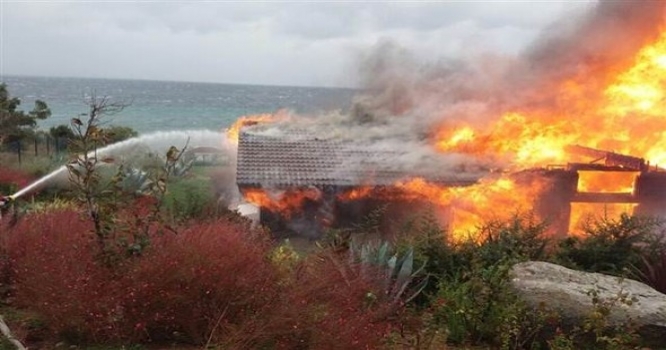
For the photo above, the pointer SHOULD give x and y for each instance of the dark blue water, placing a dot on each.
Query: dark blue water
(160, 106)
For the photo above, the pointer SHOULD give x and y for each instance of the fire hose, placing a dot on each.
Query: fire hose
(6, 202)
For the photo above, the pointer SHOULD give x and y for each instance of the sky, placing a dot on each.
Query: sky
(256, 42)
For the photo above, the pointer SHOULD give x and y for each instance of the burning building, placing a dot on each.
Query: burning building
(304, 181)
(488, 137)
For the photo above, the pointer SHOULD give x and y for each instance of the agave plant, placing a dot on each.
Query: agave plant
(135, 181)
(181, 167)
(398, 269)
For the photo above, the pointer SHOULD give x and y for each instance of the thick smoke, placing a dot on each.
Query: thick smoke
(583, 48)
(405, 99)
(578, 48)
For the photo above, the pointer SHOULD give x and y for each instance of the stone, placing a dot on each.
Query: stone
(569, 292)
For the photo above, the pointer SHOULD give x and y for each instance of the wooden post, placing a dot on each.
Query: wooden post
(36, 153)
(48, 144)
(18, 150)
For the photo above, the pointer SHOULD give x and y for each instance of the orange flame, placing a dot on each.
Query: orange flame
(473, 205)
(627, 116)
(356, 193)
(468, 207)
(606, 182)
(233, 131)
(581, 213)
(286, 203)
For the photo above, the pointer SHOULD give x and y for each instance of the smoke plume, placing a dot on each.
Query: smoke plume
(403, 100)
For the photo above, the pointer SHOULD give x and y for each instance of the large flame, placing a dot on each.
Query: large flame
(627, 117)
(473, 205)
(468, 206)
(287, 203)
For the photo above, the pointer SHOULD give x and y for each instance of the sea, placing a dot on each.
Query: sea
(165, 106)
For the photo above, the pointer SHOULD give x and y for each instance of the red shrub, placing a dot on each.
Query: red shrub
(54, 271)
(12, 180)
(181, 288)
(332, 305)
(211, 281)
(193, 283)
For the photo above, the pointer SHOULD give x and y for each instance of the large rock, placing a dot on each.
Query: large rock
(568, 291)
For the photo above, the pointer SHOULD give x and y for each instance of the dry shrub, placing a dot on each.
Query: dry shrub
(213, 282)
(53, 271)
(180, 289)
(194, 285)
(653, 270)
(333, 303)
(12, 179)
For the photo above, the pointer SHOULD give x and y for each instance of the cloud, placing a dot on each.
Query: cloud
(259, 43)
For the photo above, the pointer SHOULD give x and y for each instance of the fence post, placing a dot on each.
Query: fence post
(48, 144)
(18, 150)
(36, 153)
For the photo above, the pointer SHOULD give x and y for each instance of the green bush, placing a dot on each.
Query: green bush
(611, 246)
(471, 300)
(481, 308)
(441, 260)
(117, 133)
(189, 198)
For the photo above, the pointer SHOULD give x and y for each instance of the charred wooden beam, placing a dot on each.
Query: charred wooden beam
(597, 167)
(610, 159)
(600, 197)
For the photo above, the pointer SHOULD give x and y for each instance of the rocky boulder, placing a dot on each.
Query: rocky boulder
(570, 292)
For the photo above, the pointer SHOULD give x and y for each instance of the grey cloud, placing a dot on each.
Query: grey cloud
(271, 43)
(332, 20)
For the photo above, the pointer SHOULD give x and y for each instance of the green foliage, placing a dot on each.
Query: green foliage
(284, 256)
(520, 239)
(57, 204)
(476, 306)
(398, 270)
(14, 123)
(189, 198)
(611, 246)
(40, 166)
(62, 131)
(103, 197)
(472, 300)
(119, 133)
(107, 135)
(652, 270)
(5, 344)
(596, 331)
(99, 197)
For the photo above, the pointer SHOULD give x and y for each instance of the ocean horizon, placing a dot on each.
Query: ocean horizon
(170, 105)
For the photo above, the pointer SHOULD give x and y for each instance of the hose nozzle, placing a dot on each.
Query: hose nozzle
(5, 201)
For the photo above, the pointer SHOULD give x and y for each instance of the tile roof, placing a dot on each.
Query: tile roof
(296, 158)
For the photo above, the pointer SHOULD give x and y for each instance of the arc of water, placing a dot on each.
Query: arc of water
(158, 142)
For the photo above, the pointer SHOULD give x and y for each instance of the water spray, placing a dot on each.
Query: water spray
(154, 143)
